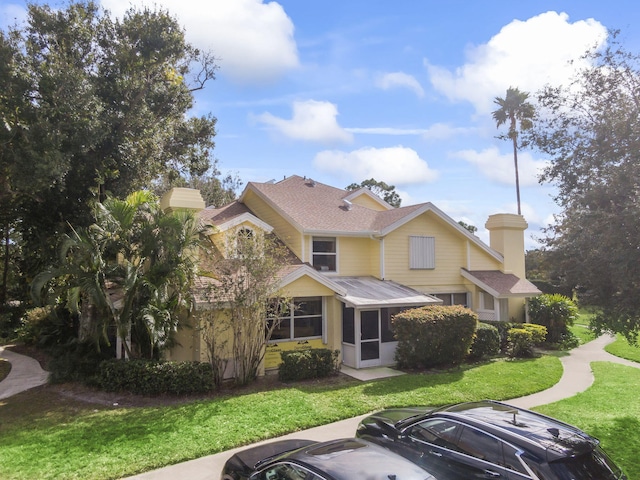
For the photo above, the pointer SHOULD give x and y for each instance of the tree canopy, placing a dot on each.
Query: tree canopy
(386, 192)
(590, 130)
(90, 106)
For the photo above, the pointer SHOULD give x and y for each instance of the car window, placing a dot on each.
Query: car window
(287, 471)
(593, 465)
(481, 445)
(512, 459)
(443, 433)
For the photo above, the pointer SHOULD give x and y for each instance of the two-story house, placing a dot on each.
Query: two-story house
(357, 261)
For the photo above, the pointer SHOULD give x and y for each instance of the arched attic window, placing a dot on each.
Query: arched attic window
(245, 236)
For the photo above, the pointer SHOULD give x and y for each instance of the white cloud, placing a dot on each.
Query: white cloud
(387, 81)
(393, 165)
(312, 121)
(524, 54)
(437, 131)
(252, 40)
(499, 167)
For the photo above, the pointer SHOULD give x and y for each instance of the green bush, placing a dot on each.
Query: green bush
(144, 377)
(434, 335)
(306, 364)
(486, 342)
(556, 312)
(503, 330)
(523, 338)
(76, 362)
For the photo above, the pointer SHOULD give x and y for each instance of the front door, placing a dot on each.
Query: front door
(369, 338)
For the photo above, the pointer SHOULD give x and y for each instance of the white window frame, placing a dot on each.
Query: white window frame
(326, 254)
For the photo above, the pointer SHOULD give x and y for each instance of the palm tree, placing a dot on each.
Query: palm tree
(514, 109)
(132, 269)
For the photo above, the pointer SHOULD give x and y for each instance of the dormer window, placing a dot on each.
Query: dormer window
(324, 254)
(243, 236)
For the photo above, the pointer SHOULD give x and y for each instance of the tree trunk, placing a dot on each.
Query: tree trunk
(515, 162)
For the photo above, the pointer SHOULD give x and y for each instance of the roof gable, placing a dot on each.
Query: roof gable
(315, 208)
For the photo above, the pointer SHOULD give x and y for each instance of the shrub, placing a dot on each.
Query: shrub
(486, 342)
(556, 312)
(523, 338)
(503, 330)
(305, 364)
(76, 362)
(434, 335)
(144, 377)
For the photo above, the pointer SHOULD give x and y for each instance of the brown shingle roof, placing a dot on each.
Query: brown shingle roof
(218, 216)
(314, 206)
(501, 284)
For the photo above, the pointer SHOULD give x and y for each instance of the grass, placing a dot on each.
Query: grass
(45, 437)
(583, 333)
(621, 348)
(610, 411)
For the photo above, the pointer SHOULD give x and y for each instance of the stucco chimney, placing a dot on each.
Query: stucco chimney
(182, 198)
(507, 237)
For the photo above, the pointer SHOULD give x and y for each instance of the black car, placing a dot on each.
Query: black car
(344, 459)
(490, 439)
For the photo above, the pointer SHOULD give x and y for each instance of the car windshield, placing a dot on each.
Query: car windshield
(594, 465)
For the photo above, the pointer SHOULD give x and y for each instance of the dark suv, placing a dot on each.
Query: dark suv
(490, 439)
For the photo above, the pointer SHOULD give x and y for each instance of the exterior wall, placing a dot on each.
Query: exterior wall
(358, 256)
(308, 287)
(291, 237)
(188, 349)
(507, 237)
(452, 250)
(368, 202)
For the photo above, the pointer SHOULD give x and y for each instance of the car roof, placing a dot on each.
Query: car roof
(524, 428)
(346, 459)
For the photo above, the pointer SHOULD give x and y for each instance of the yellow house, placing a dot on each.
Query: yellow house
(357, 261)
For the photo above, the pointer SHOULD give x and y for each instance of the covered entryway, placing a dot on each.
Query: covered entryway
(367, 309)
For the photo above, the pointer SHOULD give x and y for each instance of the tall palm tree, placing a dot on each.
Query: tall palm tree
(514, 109)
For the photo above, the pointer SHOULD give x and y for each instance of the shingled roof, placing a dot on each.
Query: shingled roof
(501, 285)
(315, 207)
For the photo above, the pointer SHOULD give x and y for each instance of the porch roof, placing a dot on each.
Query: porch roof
(501, 285)
(369, 292)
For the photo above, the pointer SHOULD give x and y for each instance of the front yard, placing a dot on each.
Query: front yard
(45, 434)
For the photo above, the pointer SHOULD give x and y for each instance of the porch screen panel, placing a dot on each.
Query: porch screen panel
(348, 325)
(422, 253)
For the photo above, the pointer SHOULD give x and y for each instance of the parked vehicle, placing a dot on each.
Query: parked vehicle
(344, 459)
(490, 439)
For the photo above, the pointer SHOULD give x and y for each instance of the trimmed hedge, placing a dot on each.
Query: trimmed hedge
(434, 335)
(306, 364)
(523, 338)
(486, 342)
(144, 377)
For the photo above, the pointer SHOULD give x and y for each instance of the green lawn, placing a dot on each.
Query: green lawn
(610, 411)
(582, 332)
(621, 348)
(46, 438)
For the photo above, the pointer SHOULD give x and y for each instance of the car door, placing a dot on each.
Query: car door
(455, 451)
(432, 444)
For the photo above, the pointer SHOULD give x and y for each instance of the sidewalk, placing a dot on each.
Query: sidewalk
(577, 377)
(25, 373)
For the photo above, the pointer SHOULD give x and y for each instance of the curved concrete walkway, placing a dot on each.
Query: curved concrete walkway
(577, 376)
(25, 373)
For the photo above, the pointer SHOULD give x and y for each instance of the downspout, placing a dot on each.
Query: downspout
(381, 241)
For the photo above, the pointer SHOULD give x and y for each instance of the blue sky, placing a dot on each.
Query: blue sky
(341, 91)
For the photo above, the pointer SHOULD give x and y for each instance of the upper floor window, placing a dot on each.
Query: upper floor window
(244, 241)
(324, 253)
(422, 252)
